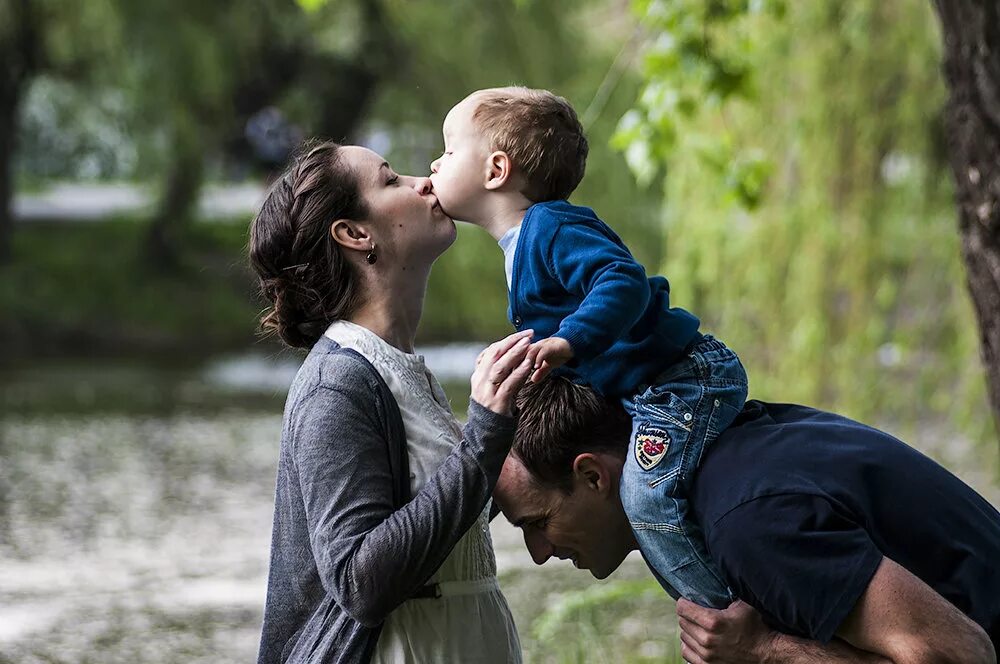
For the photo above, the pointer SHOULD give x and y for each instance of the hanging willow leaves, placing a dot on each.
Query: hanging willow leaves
(807, 203)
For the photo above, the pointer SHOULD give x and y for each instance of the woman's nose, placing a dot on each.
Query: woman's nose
(539, 547)
(422, 185)
(434, 165)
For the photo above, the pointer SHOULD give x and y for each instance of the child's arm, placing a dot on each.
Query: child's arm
(547, 354)
(613, 288)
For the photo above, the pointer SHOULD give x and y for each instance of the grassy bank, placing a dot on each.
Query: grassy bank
(85, 288)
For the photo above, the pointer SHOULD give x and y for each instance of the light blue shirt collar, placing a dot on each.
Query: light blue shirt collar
(509, 245)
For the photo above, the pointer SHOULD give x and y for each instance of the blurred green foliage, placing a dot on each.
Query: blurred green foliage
(74, 288)
(181, 67)
(781, 163)
(808, 208)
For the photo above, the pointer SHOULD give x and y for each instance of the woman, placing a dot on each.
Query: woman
(380, 547)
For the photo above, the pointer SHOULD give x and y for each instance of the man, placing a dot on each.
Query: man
(842, 543)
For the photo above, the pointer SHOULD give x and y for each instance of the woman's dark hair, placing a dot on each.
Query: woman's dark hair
(302, 271)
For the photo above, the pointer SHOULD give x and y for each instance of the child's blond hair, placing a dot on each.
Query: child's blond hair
(542, 135)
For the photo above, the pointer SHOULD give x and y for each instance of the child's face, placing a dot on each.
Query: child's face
(460, 173)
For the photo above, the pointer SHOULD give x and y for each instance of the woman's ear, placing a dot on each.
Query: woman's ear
(499, 170)
(351, 235)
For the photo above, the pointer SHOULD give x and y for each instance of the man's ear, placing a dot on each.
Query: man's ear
(350, 234)
(592, 473)
(499, 170)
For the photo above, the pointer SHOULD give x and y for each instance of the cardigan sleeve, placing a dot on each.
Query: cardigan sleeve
(611, 283)
(369, 556)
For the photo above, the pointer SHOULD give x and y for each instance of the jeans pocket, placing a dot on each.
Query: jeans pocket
(665, 404)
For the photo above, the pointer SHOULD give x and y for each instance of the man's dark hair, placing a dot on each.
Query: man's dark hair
(560, 420)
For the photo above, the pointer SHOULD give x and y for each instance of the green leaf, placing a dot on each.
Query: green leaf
(312, 6)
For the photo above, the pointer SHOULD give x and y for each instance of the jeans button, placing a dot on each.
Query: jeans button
(517, 321)
(687, 416)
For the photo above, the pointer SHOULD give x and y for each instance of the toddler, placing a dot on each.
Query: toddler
(512, 157)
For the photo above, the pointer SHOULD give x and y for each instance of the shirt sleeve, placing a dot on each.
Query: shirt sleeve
(368, 555)
(612, 285)
(796, 558)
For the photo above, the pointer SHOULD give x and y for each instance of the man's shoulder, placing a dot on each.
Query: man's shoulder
(774, 449)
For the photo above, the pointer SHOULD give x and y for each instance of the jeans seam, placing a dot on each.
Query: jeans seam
(709, 567)
(659, 527)
(685, 451)
(665, 415)
(660, 480)
(724, 382)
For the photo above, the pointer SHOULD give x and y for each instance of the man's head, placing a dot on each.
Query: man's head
(503, 138)
(560, 482)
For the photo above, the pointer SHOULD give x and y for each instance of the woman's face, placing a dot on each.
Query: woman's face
(408, 225)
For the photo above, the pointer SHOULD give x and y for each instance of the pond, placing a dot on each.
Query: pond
(135, 515)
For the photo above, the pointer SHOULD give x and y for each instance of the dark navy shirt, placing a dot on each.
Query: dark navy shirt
(799, 506)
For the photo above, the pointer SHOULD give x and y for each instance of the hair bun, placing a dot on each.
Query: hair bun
(301, 271)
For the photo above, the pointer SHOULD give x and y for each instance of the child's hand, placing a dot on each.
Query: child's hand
(548, 354)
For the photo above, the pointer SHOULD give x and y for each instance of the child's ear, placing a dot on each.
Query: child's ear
(499, 170)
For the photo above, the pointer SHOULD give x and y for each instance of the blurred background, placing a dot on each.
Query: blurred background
(786, 165)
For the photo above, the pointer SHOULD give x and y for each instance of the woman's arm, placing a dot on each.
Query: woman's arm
(370, 556)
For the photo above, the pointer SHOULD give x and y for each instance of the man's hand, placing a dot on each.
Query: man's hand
(548, 354)
(898, 618)
(734, 635)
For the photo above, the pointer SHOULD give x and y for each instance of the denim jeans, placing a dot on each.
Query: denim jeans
(673, 421)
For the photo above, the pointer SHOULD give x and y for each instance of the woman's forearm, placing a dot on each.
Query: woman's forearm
(371, 556)
(400, 554)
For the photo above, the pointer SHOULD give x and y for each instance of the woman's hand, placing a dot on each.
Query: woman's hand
(501, 369)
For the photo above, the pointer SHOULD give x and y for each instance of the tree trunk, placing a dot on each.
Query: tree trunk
(9, 103)
(971, 31)
(19, 52)
(179, 200)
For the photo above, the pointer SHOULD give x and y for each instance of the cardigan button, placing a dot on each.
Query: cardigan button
(517, 321)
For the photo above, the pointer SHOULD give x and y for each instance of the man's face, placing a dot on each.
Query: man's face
(587, 526)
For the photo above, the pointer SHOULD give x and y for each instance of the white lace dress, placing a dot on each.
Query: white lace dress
(471, 621)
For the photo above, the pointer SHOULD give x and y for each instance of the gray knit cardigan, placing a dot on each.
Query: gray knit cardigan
(348, 543)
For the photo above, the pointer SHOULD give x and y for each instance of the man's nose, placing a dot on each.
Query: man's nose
(539, 547)
(422, 185)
